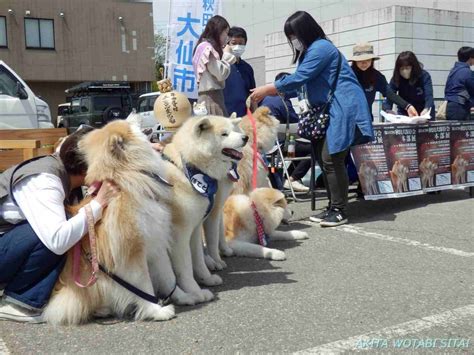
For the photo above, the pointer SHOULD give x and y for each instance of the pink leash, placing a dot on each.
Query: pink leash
(254, 148)
(76, 261)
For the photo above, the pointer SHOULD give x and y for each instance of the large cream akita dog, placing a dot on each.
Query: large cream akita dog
(134, 229)
(201, 154)
(267, 130)
(263, 210)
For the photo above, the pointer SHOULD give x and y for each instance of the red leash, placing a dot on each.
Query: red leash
(254, 149)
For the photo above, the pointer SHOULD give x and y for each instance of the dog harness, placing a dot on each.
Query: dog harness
(261, 236)
(202, 183)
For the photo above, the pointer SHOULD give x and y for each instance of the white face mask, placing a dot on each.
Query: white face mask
(297, 44)
(405, 73)
(238, 50)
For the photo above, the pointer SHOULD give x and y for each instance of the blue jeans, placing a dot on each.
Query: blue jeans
(28, 269)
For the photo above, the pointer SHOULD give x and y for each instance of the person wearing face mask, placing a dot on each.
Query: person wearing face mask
(372, 80)
(318, 60)
(241, 79)
(459, 90)
(413, 84)
(212, 60)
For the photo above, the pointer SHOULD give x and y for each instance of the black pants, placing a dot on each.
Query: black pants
(334, 171)
(457, 112)
(302, 166)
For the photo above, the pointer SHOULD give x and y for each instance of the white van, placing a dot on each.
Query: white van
(145, 109)
(19, 106)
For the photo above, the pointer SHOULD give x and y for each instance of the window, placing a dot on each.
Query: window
(3, 32)
(76, 106)
(85, 103)
(39, 33)
(8, 86)
(143, 105)
(101, 103)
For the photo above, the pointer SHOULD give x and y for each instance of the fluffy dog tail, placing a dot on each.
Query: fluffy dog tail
(68, 307)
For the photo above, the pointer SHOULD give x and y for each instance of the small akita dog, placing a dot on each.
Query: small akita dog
(132, 236)
(200, 155)
(264, 209)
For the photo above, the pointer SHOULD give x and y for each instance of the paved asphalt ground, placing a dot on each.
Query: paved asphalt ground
(400, 274)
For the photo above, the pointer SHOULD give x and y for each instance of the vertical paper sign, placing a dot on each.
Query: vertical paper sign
(434, 155)
(187, 20)
(402, 159)
(462, 154)
(371, 164)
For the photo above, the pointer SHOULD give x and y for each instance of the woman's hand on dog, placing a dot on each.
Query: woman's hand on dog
(107, 192)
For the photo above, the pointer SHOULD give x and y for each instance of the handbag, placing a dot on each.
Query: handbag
(314, 122)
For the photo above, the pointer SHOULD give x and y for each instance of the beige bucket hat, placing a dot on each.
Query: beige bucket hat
(363, 51)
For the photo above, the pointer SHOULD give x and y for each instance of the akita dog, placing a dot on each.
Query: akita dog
(200, 155)
(267, 132)
(132, 236)
(250, 220)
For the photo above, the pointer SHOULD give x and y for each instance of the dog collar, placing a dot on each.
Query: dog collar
(261, 236)
(232, 174)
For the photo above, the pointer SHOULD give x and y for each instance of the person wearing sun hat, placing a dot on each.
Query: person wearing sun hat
(372, 80)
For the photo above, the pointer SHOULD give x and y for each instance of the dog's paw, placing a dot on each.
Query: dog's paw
(300, 235)
(207, 295)
(213, 280)
(164, 313)
(227, 251)
(183, 299)
(210, 263)
(277, 255)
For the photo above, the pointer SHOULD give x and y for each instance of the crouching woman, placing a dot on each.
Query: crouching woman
(35, 233)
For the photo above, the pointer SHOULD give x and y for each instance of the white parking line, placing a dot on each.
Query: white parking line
(415, 326)
(414, 243)
(3, 348)
(357, 230)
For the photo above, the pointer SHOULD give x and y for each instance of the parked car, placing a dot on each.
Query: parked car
(145, 109)
(63, 110)
(19, 106)
(97, 103)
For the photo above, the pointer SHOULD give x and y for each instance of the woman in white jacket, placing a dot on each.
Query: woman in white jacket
(212, 62)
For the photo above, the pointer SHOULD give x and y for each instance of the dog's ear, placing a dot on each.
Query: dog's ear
(203, 125)
(116, 144)
(234, 119)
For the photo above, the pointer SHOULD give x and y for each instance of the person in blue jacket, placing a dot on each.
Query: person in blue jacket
(459, 90)
(241, 79)
(413, 84)
(349, 115)
(373, 81)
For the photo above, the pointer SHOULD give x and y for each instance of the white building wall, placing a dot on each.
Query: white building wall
(433, 35)
(261, 17)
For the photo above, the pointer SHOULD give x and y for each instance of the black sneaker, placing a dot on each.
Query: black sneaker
(320, 216)
(335, 217)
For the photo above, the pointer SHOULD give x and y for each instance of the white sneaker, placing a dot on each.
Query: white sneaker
(9, 311)
(297, 186)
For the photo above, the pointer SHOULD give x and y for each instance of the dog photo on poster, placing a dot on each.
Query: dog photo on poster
(402, 159)
(434, 155)
(462, 154)
(371, 164)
